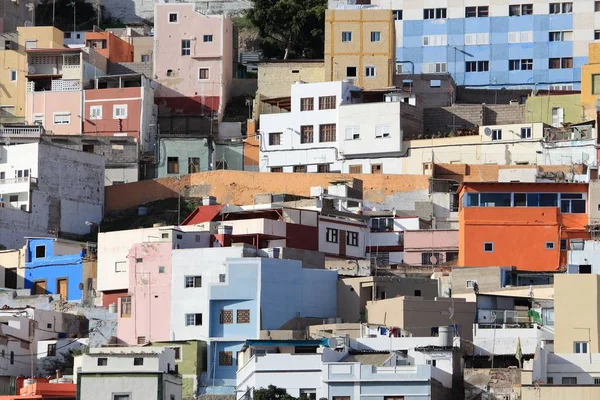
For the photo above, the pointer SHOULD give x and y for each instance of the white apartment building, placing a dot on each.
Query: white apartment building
(128, 373)
(45, 189)
(327, 130)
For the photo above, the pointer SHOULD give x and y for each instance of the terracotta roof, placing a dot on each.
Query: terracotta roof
(203, 214)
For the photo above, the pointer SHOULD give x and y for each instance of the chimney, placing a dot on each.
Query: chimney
(223, 238)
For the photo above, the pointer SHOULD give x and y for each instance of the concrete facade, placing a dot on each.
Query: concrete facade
(182, 156)
(420, 246)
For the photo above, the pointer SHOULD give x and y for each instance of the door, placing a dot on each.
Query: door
(558, 117)
(342, 242)
(10, 278)
(61, 285)
(39, 287)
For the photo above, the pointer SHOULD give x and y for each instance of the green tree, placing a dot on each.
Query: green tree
(272, 393)
(289, 27)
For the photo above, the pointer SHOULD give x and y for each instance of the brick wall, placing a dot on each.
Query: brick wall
(411, 121)
(131, 68)
(276, 78)
(117, 151)
(447, 119)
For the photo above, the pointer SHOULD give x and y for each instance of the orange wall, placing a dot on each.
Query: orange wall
(117, 50)
(251, 148)
(519, 234)
(107, 98)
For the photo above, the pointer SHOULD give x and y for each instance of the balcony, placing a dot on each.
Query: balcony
(272, 362)
(16, 185)
(18, 133)
(258, 226)
(55, 85)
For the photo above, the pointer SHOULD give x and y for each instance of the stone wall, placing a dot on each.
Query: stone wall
(492, 384)
(131, 68)
(446, 119)
(411, 121)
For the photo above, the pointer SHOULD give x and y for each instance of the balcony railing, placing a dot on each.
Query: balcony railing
(25, 131)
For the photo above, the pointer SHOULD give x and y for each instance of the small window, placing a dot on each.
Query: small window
(435, 83)
(375, 36)
(355, 169)
(327, 133)
(275, 138)
(550, 245)
(323, 168)
(51, 352)
(351, 72)
(67, 35)
(164, 235)
(126, 306)
(208, 38)
(369, 71)
(527, 9)
(306, 134)
(382, 131)
(193, 282)
(397, 15)
(193, 165)
(203, 73)
(331, 235)
(327, 103)
(121, 266)
(243, 316)
(301, 169)
(62, 119)
(169, 72)
(488, 247)
(193, 319)
(471, 284)
(525, 133)
(161, 270)
(496, 134)
(346, 36)
(352, 238)
(13, 75)
(597, 6)
(222, 278)
(376, 169)
(352, 132)
(172, 165)
(225, 358)
(40, 251)
(307, 104)
(95, 112)
(226, 317)
(173, 17)
(102, 361)
(550, 380)
(138, 361)
(470, 12)
(186, 47)
(120, 111)
(596, 380)
(567, 380)
(12, 357)
(563, 245)
(514, 10)
(177, 352)
(145, 58)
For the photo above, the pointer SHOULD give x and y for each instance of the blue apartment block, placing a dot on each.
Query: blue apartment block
(536, 43)
(259, 294)
(52, 267)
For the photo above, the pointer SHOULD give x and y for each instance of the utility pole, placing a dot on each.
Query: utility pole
(53, 11)
(98, 12)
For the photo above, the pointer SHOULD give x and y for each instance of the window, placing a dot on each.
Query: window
(308, 394)
(596, 381)
(194, 319)
(40, 251)
(323, 168)
(563, 245)
(172, 165)
(516, 65)
(193, 165)
(13, 75)
(226, 317)
(207, 38)
(481, 11)
(138, 361)
(121, 266)
(597, 6)
(121, 396)
(435, 40)
(203, 73)
(243, 316)
(470, 12)
(382, 131)
(97, 44)
(556, 63)
(397, 15)
(102, 361)
(38, 119)
(161, 270)
(514, 10)
(177, 351)
(327, 103)
(596, 84)
(558, 116)
(145, 58)
(301, 169)
(31, 44)
(327, 133)
(434, 13)
(346, 36)
(572, 203)
(471, 66)
(126, 306)
(527, 9)
(527, 64)
(352, 132)
(67, 35)
(225, 358)
(520, 37)
(120, 111)
(351, 72)
(554, 8)
(580, 347)
(496, 134)
(12, 357)
(376, 169)
(169, 72)
(331, 235)
(369, 71)
(222, 277)
(435, 68)
(193, 281)
(567, 8)
(525, 133)
(483, 66)
(472, 39)
(306, 104)
(550, 380)
(550, 245)
(352, 238)
(355, 169)
(275, 138)
(488, 247)
(560, 36)
(95, 112)
(62, 119)
(173, 17)
(566, 380)
(186, 47)
(276, 169)
(51, 352)
(375, 36)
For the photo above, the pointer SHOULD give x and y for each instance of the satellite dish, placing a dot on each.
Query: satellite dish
(31, 69)
(487, 132)
(332, 343)
(153, 84)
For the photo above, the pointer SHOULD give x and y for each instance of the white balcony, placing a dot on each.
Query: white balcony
(258, 226)
(297, 367)
(21, 132)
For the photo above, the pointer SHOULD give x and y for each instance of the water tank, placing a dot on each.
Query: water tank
(112, 308)
(28, 382)
(142, 211)
(446, 336)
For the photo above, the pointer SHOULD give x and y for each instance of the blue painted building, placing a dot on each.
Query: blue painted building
(259, 294)
(55, 267)
(536, 43)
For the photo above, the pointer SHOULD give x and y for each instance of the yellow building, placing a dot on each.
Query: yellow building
(12, 268)
(359, 45)
(13, 64)
(590, 82)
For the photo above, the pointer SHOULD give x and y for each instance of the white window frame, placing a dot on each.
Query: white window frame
(28, 43)
(382, 131)
(186, 51)
(169, 17)
(94, 114)
(204, 37)
(370, 71)
(527, 131)
(120, 115)
(550, 245)
(207, 77)
(352, 132)
(496, 135)
(435, 40)
(470, 283)
(62, 114)
(435, 68)
(122, 265)
(520, 37)
(38, 117)
(15, 73)
(582, 346)
(488, 251)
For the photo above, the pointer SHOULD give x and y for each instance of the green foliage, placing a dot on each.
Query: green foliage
(50, 366)
(272, 393)
(290, 27)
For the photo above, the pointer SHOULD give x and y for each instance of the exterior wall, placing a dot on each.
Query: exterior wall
(576, 292)
(48, 103)
(46, 363)
(216, 55)
(470, 116)
(505, 226)
(150, 290)
(190, 365)
(184, 149)
(588, 71)
(586, 255)
(539, 108)
(418, 316)
(54, 266)
(46, 37)
(15, 261)
(109, 125)
(341, 248)
(555, 392)
(360, 52)
(275, 78)
(117, 50)
(426, 241)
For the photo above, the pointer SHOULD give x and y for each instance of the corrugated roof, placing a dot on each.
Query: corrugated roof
(203, 214)
(377, 359)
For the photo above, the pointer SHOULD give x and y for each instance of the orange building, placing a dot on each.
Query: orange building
(44, 390)
(110, 46)
(526, 225)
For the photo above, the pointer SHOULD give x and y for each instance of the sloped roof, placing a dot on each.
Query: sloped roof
(203, 214)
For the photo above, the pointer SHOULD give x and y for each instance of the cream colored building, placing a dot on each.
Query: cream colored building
(14, 64)
(360, 45)
(418, 316)
(12, 263)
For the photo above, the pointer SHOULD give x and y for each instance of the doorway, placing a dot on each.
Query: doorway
(39, 287)
(61, 288)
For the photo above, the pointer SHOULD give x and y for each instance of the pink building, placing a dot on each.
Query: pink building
(145, 313)
(430, 247)
(193, 59)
